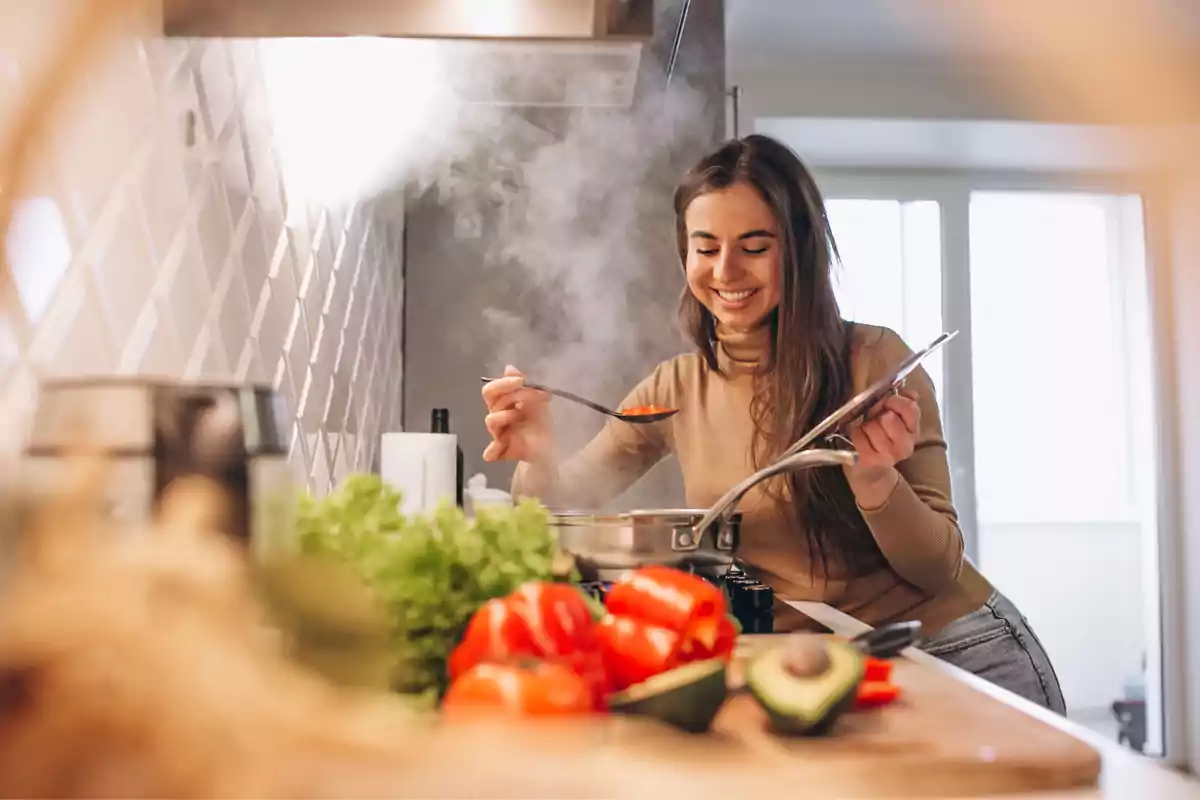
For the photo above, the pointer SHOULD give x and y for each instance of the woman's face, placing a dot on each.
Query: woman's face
(732, 259)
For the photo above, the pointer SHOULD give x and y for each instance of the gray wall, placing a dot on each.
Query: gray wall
(550, 246)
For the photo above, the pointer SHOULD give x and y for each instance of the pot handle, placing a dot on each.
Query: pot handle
(685, 539)
(806, 459)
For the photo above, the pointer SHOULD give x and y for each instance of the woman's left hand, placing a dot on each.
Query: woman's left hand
(886, 438)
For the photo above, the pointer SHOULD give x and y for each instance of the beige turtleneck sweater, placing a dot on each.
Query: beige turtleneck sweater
(926, 576)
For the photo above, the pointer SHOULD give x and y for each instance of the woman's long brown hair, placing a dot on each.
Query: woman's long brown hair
(806, 374)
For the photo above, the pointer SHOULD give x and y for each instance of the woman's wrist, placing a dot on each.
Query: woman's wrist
(541, 470)
(872, 490)
(535, 480)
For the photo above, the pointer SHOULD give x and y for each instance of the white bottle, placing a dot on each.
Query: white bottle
(479, 495)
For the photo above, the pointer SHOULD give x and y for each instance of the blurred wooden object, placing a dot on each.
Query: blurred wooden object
(1122, 63)
(86, 36)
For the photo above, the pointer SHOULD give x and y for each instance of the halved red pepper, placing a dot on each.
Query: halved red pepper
(557, 616)
(671, 599)
(873, 694)
(563, 627)
(634, 651)
(722, 646)
(550, 621)
(660, 618)
(495, 633)
(534, 689)
(877, 669)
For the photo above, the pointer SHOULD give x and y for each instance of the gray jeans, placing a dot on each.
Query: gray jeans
(996, 643)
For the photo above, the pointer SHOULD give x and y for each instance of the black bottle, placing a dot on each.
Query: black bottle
(441, 424)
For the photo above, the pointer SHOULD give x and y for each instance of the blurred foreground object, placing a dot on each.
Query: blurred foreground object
(1118, 62)
(139, 663)
(160, 432)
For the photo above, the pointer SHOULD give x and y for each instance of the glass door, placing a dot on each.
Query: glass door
(1048, 399)
(1065, 468)
(891, 268)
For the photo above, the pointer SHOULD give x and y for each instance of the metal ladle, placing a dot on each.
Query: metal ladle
(636, 419)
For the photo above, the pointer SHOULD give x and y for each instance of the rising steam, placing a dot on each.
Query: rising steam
(573, 202)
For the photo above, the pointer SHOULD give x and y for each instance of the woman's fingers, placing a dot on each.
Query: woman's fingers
(494, 391)
(498, 422)
(877, 437)
(494, 451)
(512, 381)
(886, 436)
(509, 405)
(875, 409)
(532, 400)
(905, 406)
(528, 399)
(862, 442)
(893, 425)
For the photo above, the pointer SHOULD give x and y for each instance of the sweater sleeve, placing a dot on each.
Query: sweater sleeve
(610, 463)
(917, 526)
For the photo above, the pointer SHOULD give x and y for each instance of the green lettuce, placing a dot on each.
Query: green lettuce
(429, 572)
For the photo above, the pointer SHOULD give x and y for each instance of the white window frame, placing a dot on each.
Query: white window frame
(951, 189)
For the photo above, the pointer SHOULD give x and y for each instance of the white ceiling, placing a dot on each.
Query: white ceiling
(768, 34)
(975, 144)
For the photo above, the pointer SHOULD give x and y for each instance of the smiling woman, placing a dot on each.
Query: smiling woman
(879, 540)
(733, 261)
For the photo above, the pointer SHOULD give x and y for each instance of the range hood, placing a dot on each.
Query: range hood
(438, 19)
(577, 53)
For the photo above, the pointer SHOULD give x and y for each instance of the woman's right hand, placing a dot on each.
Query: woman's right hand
(518, 420)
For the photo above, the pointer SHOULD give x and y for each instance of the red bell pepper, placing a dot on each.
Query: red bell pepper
(550, 621)
(722, 646)
(495, 633)
(533, 689)
(873, 694)
(634, 651)
(660, 618)
(669, 598)
(877, 669)
(562, 625)
(557, 616)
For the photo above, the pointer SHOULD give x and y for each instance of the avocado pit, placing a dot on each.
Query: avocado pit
(806, 656)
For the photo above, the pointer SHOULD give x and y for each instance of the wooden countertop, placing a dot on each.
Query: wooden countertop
(1125, 775)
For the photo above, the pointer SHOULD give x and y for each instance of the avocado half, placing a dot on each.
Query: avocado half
(686, 697)
(808, 703)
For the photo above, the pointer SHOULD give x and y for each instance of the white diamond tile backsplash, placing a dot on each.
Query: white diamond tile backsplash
(160, 241)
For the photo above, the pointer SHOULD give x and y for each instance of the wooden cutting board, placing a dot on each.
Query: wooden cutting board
(941, 738)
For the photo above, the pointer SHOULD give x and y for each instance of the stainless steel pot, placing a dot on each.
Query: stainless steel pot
(158, 432)
(606, 545)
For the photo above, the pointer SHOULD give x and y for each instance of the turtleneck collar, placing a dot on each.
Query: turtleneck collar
(740, 352)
